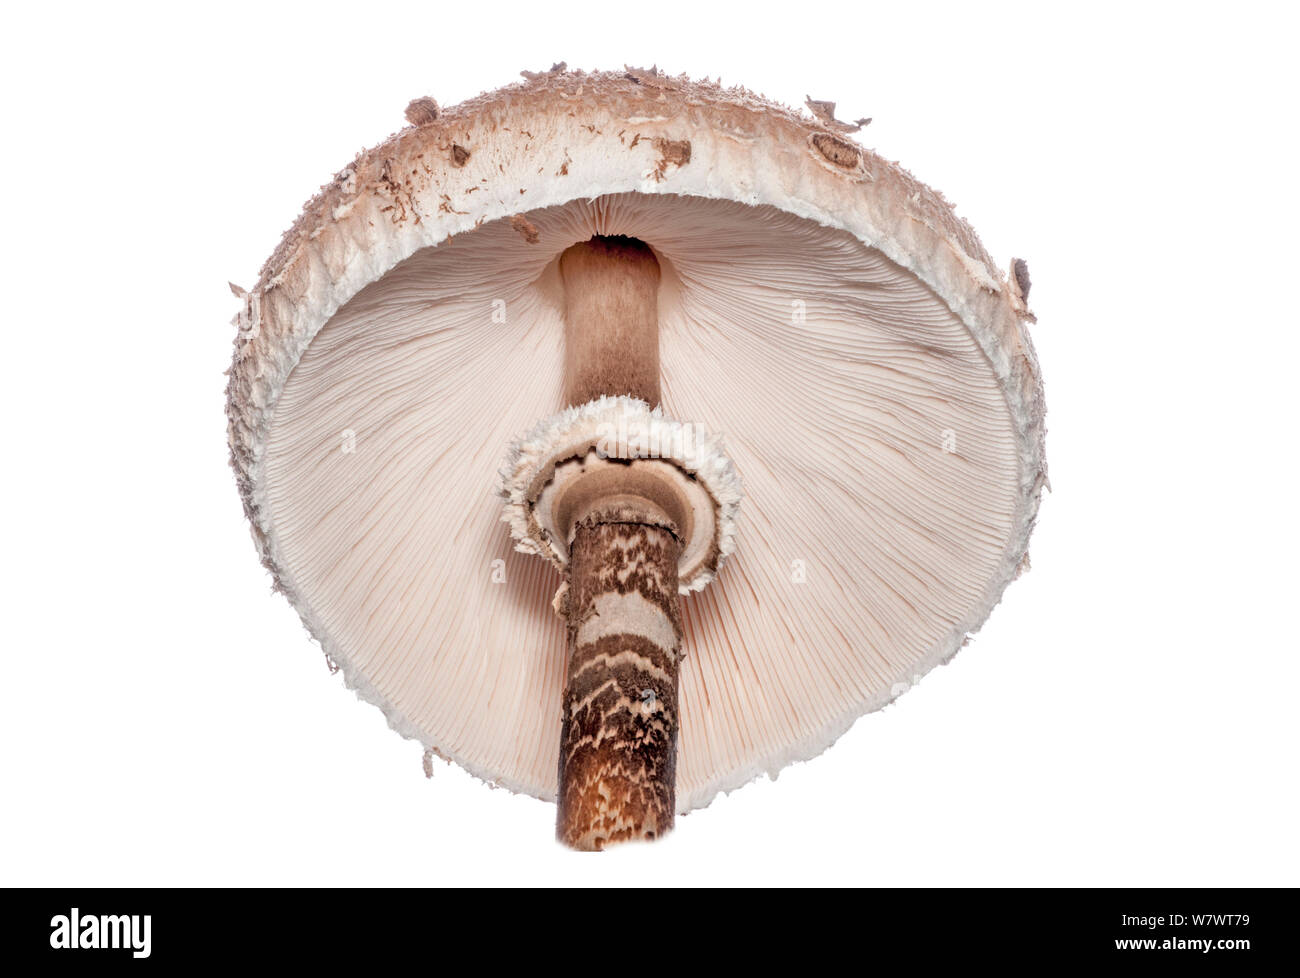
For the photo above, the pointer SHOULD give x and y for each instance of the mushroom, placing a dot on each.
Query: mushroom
(598, 277)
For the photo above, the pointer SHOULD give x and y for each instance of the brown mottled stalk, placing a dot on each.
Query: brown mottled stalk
(618, 744)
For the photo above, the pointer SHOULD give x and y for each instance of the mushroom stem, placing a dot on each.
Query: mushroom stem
(611, 320)
(618, 744)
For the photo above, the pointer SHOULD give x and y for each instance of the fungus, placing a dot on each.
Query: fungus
(477, 414)
(422, 111)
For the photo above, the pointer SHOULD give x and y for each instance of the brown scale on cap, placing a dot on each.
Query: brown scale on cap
(526, 228)
(422, 111)
(825, 113)
(672, 152)
(838, 152)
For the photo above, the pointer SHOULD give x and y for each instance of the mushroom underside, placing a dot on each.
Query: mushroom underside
(879, 457)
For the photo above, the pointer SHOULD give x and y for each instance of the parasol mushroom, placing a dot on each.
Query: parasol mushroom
(596, 277)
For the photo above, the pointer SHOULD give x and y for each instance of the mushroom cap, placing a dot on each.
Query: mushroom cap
(830, 316)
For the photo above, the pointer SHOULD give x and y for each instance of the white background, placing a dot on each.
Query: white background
(1128, 715)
